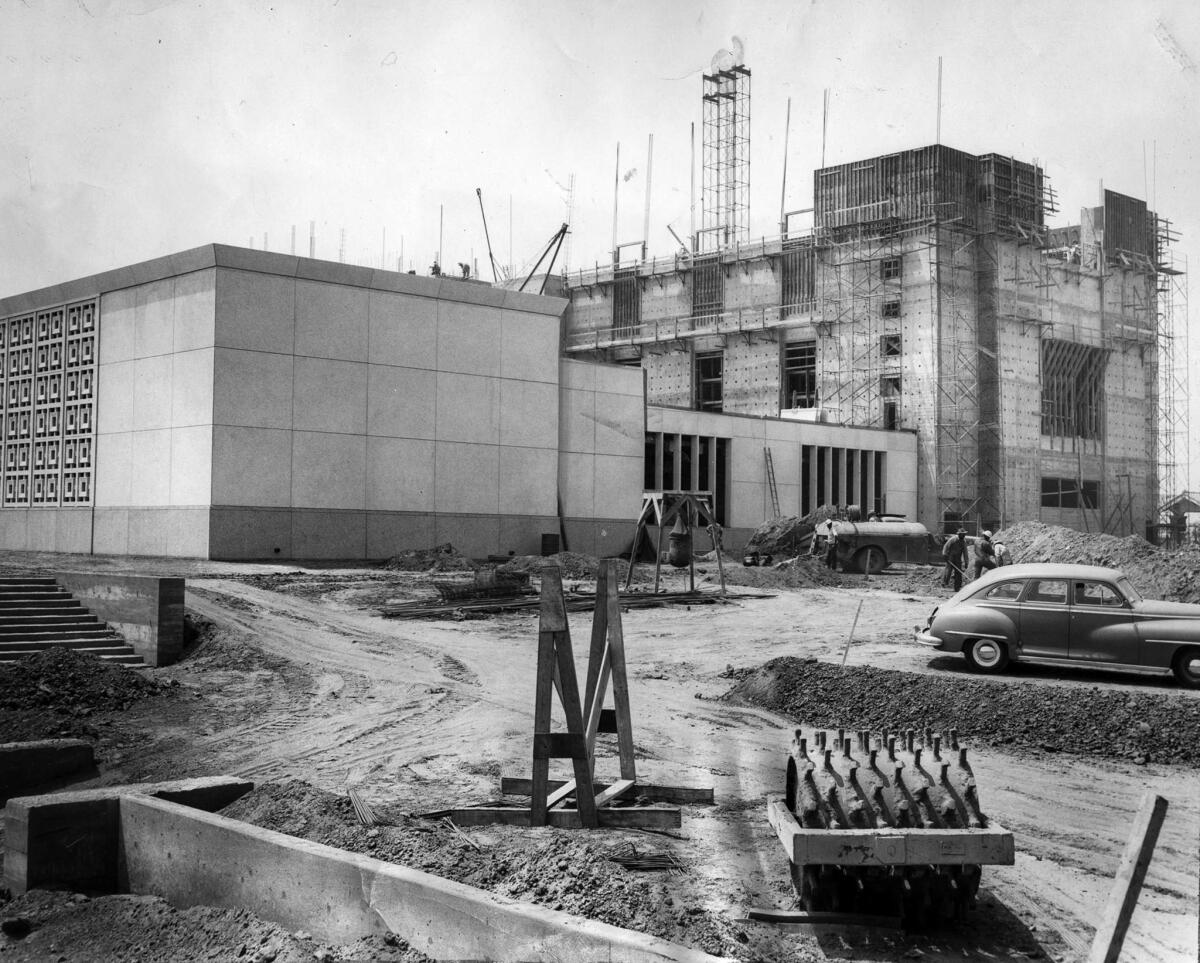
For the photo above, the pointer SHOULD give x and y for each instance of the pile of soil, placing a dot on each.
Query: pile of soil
(801, 572)
(51, 693)
(787, 535)
(1140, 726)
(440, 558)
(1156, 573)
(573, 565)
(562, 869)
(72, 928)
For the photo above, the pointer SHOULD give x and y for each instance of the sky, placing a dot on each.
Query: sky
(130, 129)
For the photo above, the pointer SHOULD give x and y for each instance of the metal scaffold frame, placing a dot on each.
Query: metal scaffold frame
(850, 299)
(1171, 341)
(967, 479)
(725, 189)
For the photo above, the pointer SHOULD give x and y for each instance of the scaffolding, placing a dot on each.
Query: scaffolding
(725, 190)
(1171, 343)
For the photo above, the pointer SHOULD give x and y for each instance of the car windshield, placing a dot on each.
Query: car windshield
(1127, 589)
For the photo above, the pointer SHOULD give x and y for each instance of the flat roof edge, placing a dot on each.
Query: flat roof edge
(443, 288)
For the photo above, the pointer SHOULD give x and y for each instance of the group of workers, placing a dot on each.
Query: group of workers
(988, 555)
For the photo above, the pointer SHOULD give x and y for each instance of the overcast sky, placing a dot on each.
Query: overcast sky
(131, 129)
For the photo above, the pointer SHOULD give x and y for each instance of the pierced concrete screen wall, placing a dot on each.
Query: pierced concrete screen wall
(48, 360)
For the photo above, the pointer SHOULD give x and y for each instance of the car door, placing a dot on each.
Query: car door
(1045, 618)
(1101, 624)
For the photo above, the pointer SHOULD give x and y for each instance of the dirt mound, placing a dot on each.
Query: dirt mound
(801, 572)
(440, 558)
(573, 565)
(787, 535)
(71, 682)
(72, 928)
(1156, 573)
(1135, 725)
(555, 868)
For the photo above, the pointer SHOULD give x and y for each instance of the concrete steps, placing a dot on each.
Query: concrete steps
(38, 614)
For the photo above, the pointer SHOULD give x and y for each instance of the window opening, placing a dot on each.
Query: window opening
(709, 385)
(800, 375)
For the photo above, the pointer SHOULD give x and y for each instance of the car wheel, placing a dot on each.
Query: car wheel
(986, 655)
(870, 561)
(1187, 667)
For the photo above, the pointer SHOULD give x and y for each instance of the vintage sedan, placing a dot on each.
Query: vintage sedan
(1079, 615)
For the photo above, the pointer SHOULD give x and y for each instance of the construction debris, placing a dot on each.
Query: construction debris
(440, 558)
(788, 535)
(574, 601)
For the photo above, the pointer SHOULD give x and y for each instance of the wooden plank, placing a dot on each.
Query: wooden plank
(560, 794)
(596, 649)
(573, 710)
(559, 745)
(1127, 885)
(596, 707)
(620, 682)
(887, 847)
(517, 786)
(625, 818)
(785, 918)
(618, 788)
(552, 623)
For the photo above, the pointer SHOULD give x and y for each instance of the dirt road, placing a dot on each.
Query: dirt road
(431, 713)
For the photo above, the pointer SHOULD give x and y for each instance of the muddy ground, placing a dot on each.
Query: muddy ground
(294, 681)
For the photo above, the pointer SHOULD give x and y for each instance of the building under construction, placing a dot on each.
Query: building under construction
(1036, 364)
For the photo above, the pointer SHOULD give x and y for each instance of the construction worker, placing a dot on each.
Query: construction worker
(985, 554)
(831, 545)
(954, 551)
(1002, 553)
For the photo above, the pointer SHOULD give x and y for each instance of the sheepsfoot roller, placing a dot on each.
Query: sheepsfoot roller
(887, 826)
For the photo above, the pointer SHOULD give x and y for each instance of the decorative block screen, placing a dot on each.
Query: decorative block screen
(48, 365)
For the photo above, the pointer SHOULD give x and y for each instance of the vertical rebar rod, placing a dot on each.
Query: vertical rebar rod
(646, 220)
(616, 195)
(787, 126)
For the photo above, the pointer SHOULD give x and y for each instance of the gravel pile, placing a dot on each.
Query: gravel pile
(1156, 573)
(562, 869)
(1143, 727)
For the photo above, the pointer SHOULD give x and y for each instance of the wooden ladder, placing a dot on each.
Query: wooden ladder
(771, 483)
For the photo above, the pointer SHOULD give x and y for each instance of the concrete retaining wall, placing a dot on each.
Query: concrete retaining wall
(26, 767)
(122, 840)
(71, 840)
(147, 611)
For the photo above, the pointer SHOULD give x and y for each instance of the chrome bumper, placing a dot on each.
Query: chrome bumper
(922, 637)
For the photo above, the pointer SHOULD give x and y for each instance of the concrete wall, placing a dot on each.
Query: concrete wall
(251, 404)
(601, 451)
(154, 417)
(150, 840)
(353, 422)
(146, 610)
(749, 498)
